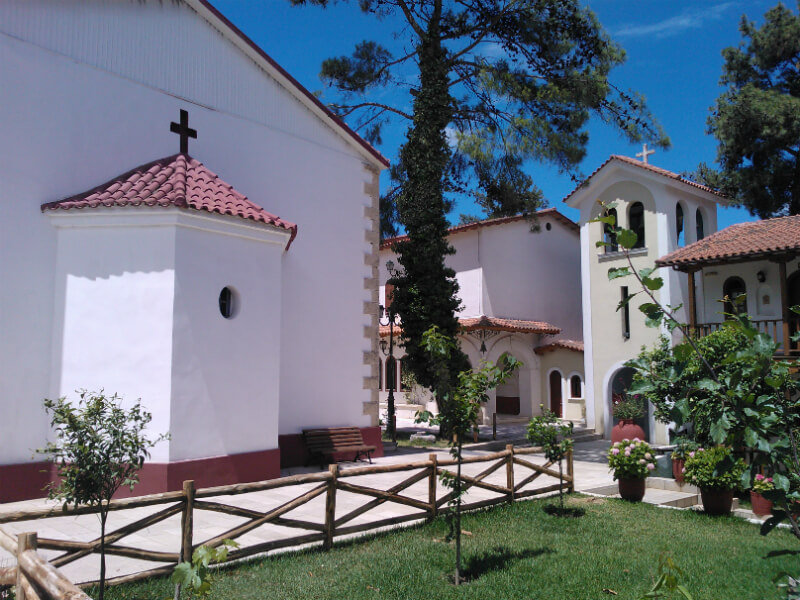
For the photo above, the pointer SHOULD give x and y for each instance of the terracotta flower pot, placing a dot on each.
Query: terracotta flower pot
(761, 506)
(626, 429)
(677, 469)
(631, 490)
(717, 502)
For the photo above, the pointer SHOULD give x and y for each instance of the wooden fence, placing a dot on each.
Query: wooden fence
(190, 500)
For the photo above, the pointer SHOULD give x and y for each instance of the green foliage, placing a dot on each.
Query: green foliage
(756, 120)
(631, 459)
(714, 468)
(99, 447)
(628, 406)
(546, 431)
(683, 446)
(196, 576)
(668, 580)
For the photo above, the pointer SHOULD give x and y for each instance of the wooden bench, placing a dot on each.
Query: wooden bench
(326, 442)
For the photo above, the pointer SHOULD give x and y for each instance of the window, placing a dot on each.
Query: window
(701, 233)
(227, 303)
(732, 289)
(609, 237)
(575, 387)
(636, 222)
(626, 313)
(391, 374)
(380, 374)
(679, 237)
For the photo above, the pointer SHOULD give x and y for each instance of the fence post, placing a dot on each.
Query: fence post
(187, 527)
(494, 425)
(25, 541)
(570, 472)
(330, 508)
(432, 485)
(510, 472)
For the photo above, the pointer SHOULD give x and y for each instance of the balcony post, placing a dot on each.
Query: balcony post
(692, 303)
(785, 312)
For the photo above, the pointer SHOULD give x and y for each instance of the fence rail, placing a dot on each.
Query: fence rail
(328, 483)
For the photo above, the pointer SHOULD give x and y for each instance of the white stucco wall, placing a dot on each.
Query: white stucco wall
(226, 372)
(88, 92)
(114, 304)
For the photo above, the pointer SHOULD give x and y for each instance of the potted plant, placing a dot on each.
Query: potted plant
(717, 474)
(632, 461)
(761, 506)
(683, 446)
(627, 409)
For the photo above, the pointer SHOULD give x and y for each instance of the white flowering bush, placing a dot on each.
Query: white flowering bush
(631, 459)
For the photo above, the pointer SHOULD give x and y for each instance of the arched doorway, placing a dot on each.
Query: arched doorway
(620, 383)
(733, 288)
(507, 395)
(554, 381)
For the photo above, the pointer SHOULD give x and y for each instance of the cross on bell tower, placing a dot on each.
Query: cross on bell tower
(184, 131)
(644, 153)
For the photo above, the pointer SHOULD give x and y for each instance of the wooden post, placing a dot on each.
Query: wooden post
(692, 304)
(510, 472)
(432, 485)
(494, 425)
(571, 471)
(187, 521)
(785, 312)
(187, 528)
(25, 541)
(330, 508)
(475, 433)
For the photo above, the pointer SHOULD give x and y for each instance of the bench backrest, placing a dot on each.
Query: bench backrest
(332, 437)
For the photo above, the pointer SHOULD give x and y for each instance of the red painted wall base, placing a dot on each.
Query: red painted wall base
(26, 481)
(29, 480)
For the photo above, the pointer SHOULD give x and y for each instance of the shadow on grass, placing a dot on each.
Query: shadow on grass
(496, 559)
(554, 510)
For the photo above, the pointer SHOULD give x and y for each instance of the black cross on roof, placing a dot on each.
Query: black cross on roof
(184, 131)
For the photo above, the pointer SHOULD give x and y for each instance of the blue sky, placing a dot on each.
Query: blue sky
(674, 59)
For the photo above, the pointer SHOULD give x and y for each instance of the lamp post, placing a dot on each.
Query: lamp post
(387, 312)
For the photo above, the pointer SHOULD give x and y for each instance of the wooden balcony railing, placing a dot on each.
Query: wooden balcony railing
(772, 327)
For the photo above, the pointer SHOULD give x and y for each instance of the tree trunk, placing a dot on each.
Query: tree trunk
(458, 516)
(103, 517)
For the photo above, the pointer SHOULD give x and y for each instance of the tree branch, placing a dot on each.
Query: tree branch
(350, 109)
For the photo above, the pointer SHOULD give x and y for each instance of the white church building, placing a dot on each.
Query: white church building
(181, 222)
(520, 294)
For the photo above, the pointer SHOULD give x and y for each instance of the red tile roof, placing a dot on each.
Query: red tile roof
(574, 345)
(547, 212)
(296, 84)
(495, 324)
(177, 181)
(646, 167)
(739, 243)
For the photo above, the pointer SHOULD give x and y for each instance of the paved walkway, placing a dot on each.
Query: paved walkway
(165, 536)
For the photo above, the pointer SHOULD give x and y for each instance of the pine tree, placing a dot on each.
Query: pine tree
(757, 119)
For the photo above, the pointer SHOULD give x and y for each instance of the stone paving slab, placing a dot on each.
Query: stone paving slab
(165, 536)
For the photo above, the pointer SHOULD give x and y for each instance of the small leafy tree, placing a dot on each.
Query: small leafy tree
(462, 411)
(99, 447)
(196, 576)
(546, 431)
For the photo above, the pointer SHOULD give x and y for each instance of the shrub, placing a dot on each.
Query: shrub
(631, 459)
(714, 468)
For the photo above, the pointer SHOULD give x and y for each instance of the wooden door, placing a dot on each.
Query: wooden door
(555, 393)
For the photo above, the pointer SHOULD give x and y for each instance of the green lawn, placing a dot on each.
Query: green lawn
(521, 552)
